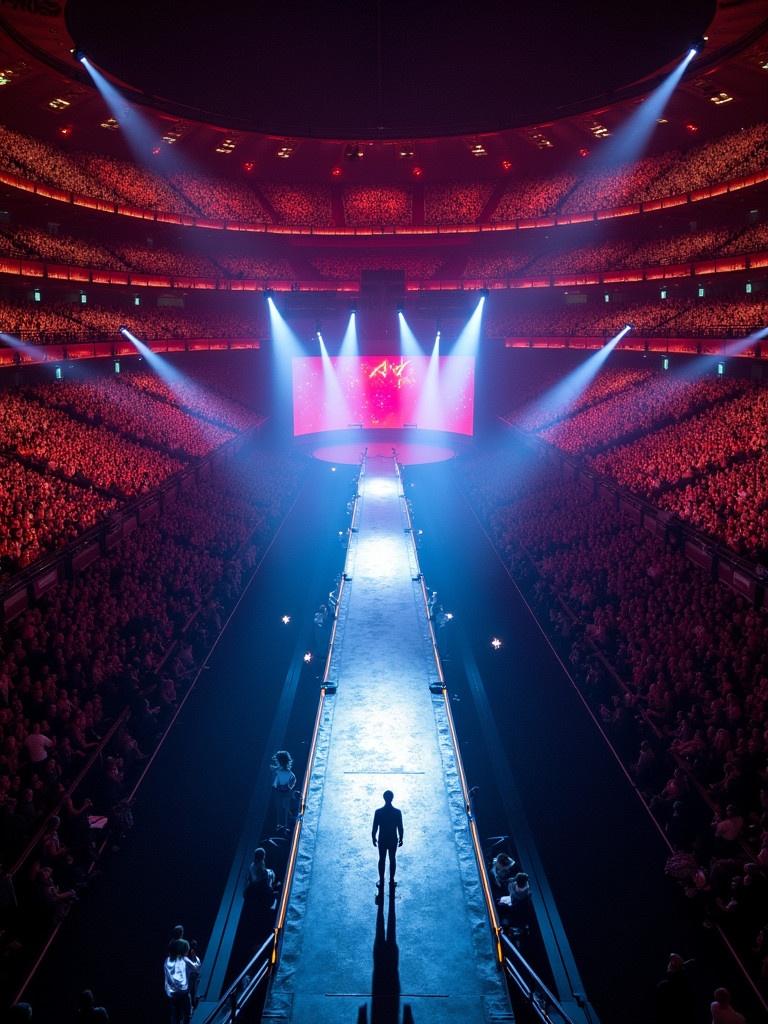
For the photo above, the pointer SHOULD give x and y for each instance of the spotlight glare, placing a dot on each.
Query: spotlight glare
(285, 619)
(496, 644)
(307, 657)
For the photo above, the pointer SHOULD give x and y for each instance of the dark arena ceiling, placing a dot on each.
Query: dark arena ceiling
(361, 69)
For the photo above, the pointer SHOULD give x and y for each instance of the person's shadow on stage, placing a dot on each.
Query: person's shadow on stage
(385, 983)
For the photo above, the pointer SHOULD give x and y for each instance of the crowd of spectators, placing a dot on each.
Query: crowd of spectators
(729, 504)
(52, 441)
(601, 187)
(662, 399)
(723, 317)
(59, 321)
(39, 512)
(220, 198)
(456, 202)
(674, 665)
(694, 447)
(74, 449)
(115, 648)
(37, 320)
(732, 156)
(66, 249)
(553, 253)
(733, 428)
(345, 267)
(127, 182)
(496, 265)
(534, 411)
(309, 205)
(532, 197)
(752, 239)
(134, 413)
(200, 401)
(584, 319)
(379, 206)
(601, 255)
(606, 187)
(264, 268)
(173, 262)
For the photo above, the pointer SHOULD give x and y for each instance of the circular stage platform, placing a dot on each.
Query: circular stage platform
(346, 447)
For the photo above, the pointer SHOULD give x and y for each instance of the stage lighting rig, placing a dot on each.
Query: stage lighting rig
(354, 152)
(696, 47)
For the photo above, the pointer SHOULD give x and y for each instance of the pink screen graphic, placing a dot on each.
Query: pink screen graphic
(383, 392)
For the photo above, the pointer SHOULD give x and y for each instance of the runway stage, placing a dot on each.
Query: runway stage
(427, 954)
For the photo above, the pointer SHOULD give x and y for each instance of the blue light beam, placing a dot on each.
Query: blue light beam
(631, 139)
(409, 346)
(140, 135)
(334, 404)
(349, 343)
(468, 341)
(704, 364)
(429, 409)
(561, 396)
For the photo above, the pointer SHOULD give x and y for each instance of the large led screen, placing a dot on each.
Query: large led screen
(333, 393)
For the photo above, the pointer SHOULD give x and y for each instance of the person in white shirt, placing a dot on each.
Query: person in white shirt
(179, 972)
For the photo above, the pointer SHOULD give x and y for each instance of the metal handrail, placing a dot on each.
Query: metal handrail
(538, 996)
(243, 987)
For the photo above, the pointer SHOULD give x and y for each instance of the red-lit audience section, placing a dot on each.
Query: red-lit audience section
(99, 667)
(694, 447)
(74, 451)
(673, 665)
(197, 195)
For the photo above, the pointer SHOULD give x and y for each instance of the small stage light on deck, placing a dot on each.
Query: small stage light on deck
(496, 644)
(333, 469)
(285, 619)
(307, 657)
(449, 616)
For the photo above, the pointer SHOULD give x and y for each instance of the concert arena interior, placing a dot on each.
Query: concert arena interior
(384, 512)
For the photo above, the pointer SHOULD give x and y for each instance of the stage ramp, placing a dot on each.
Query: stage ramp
(426, 952)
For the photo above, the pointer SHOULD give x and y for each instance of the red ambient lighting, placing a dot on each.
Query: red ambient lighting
(583, 151)
(506, 166)
(335, 172)
(691, 127)
(248, 166)
(417, 172)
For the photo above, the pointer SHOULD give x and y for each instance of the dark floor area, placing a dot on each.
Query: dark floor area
(603, 856)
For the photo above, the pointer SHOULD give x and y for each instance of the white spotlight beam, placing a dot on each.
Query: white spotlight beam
(562, 395)
(409, 345)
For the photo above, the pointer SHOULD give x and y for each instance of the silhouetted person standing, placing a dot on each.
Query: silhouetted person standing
(387, 834)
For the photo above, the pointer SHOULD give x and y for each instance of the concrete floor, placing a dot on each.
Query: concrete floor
(425, 954)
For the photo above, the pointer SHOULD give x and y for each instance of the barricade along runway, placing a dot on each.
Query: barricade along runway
(426, 954)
